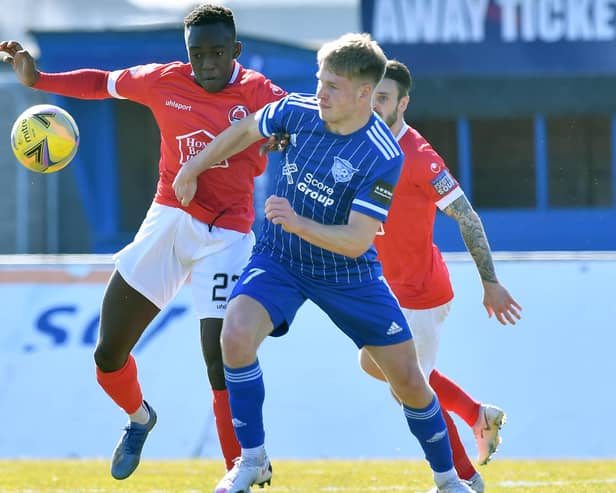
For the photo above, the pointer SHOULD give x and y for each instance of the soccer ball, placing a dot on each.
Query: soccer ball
(45, 138)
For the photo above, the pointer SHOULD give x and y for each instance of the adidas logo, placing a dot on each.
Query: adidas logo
(394, 328)
(237, 423)
(439, 435)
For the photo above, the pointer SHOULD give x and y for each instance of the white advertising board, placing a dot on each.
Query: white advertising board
(552, 372)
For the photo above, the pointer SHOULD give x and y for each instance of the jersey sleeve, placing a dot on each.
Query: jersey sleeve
(271, 120)
(81, 84)
(436, 181)
(268, 92)
(375, 195)
(133, 83)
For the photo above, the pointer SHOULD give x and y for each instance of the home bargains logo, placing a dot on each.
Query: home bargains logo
(193, 143)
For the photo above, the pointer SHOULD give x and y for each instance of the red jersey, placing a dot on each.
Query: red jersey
(412, 263)
(189, 118)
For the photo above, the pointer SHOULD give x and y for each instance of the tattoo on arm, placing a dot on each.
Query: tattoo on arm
(474, 236)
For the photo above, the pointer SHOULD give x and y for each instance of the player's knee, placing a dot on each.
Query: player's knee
(411, 386)
(107, 359)
(238, 348)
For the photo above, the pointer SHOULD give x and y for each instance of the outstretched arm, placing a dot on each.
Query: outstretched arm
(232, 140)
(496, 298)
(83, 83)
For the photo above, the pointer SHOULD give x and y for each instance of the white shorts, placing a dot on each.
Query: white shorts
(171, 245)
(426, 327)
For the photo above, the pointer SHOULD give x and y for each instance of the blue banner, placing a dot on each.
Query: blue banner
(496, 37)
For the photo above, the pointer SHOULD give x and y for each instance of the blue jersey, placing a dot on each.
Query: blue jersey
(325, 176)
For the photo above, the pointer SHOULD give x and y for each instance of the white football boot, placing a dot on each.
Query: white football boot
(243, 475)
(486, 431)
(454, 486)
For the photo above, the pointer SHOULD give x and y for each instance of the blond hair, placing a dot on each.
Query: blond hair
(355, 56)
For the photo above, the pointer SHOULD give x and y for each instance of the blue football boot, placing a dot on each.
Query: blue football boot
(127, 453)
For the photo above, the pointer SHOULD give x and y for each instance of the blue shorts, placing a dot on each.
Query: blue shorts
(368, 312)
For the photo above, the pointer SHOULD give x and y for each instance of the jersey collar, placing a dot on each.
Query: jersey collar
(402, 131)
(236, 71)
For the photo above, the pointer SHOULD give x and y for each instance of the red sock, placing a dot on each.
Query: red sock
(122, 385)
(461, 461)
(226, 433)
(453, 398)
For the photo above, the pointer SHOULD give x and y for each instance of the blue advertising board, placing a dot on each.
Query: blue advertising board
(496, 37)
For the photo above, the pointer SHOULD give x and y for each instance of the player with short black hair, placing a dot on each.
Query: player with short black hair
(207, 14)
(210, 240)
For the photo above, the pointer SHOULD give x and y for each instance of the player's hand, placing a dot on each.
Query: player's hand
(278, 210)
(500, 303)
(276, 143)
(12, 52)
(185, 186)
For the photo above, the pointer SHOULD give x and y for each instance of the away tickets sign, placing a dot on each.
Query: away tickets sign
(496, 36)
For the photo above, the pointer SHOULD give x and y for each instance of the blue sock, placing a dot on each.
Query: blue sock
(246, 396)
(429, 427)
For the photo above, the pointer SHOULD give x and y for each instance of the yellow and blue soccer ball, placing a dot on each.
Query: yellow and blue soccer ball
(45, 138)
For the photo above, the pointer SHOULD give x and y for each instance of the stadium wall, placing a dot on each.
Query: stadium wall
(550, 371)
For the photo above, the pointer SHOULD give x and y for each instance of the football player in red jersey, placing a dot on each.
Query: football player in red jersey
(210, 240)
(418, 275)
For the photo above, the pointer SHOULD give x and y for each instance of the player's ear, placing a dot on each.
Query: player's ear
(237, 49)
(404, 103)
(367, 91)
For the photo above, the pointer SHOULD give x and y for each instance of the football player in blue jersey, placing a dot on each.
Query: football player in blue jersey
(334, 190)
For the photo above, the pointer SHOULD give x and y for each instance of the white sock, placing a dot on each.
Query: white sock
(441, 478)
(254, 456)
(141, 415)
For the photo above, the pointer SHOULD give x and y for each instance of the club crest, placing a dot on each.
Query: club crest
(237, 113)
(342, 170)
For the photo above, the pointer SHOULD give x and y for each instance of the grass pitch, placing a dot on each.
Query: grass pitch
(330, 476)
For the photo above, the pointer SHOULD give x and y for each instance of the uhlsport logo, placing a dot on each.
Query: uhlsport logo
(237, 113)
(178, 106)
(343, 170)
(193, 143)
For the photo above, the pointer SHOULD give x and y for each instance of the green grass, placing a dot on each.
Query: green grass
(192, 476)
